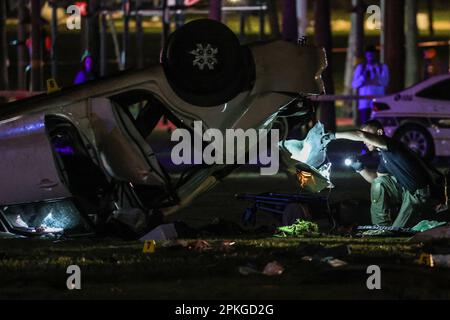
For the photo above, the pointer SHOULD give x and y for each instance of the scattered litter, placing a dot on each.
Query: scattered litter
(227, 245)
(332, 261)
(318, 253)
(273, 269)
(298, 228)
(199, 245)
(336, 263)
(162, 232)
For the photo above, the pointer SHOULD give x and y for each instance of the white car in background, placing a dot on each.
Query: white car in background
(419, 116)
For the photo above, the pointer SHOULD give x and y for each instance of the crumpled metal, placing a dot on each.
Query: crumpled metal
(312, 150)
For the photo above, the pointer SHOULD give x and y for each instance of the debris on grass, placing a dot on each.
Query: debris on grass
(298, 228)
(336, 263)
(227, 245)
(332, 261)
(199, 245)
(319, 253)
(273, 268)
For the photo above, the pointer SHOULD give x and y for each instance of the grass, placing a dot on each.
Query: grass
(115, 269)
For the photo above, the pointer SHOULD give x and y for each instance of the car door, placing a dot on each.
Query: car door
(122, 152)
(435, 99)
(28, 168)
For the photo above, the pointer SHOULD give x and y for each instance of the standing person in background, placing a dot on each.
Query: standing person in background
(370, 78)
(86, 73)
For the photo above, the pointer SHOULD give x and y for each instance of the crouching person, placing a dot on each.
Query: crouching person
(402, 186)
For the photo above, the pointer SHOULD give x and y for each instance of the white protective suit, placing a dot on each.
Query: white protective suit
(372, 83)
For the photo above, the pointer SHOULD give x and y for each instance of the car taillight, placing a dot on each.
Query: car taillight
(379, 106)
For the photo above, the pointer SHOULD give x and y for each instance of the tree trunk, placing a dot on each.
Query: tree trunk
(93, 34)
(54, 36)
(21, 47)
(322, 28)
(36, 44)
(430, 17)
(382, 33)
(354, 51)
(215, 10)
(139, 37)
(126, 33)
(302, 17)
(359, 21)
(165, 22)
(394, 47)
(3, 48)
(273, 19)
(103, 50)
(412, 54)
(289, 23)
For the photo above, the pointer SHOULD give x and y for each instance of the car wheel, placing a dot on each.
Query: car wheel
(205, 63)
(417, 139)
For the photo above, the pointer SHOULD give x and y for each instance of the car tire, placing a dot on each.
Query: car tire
(418, 139)
(205, 64)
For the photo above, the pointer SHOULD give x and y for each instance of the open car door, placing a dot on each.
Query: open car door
(125, 154)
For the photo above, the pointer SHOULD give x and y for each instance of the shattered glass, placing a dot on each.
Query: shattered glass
(44, 217)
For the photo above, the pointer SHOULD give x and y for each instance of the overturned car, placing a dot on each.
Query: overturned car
(75, 161)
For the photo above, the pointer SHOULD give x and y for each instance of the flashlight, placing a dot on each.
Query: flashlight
(348, 162)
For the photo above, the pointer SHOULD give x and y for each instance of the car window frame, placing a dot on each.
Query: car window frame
(437, 83)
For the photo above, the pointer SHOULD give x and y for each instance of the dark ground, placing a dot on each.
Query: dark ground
(111, 269)
(117, 269)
